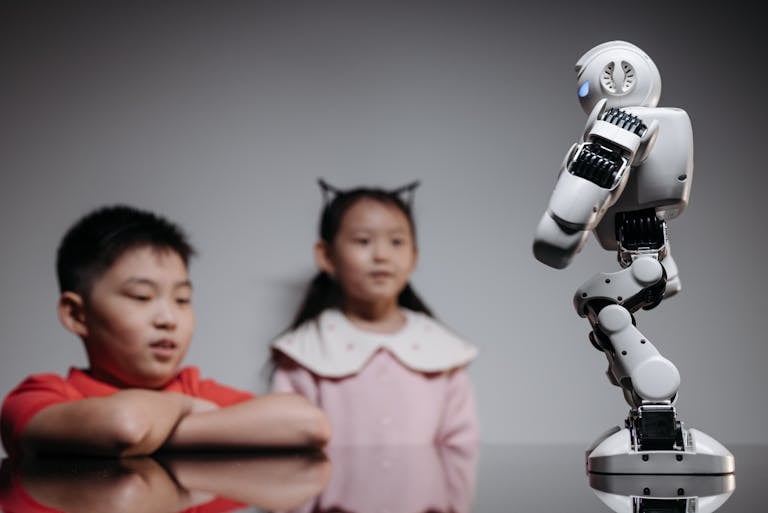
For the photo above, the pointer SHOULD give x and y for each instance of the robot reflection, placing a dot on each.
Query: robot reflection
(628, 176)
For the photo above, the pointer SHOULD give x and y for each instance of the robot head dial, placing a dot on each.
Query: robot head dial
(621, 73)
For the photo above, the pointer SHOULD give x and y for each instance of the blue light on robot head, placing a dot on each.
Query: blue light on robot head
(584, 89)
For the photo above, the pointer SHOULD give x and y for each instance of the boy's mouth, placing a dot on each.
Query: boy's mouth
(163, 348)
(165, 343)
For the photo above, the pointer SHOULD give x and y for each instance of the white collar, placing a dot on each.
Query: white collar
(331, 346)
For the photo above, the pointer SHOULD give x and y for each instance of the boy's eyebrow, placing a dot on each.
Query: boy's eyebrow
(153, 283)
(140, 281)
(185, 283)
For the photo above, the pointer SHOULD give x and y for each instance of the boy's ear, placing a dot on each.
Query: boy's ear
(71, 310)
(323, 257)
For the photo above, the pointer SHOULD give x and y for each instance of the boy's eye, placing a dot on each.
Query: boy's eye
(361, 240)
(183, 300)
(140, 297)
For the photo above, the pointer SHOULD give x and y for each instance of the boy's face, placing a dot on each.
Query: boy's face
(138, 319)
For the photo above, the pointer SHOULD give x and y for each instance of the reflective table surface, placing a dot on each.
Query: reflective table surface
(493, 478)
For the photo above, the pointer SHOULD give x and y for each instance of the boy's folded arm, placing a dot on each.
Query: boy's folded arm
(271, 420)
(126, 423)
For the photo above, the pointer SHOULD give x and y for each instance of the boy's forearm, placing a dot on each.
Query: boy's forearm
(158, 413)
(272, 420)
(127, 423)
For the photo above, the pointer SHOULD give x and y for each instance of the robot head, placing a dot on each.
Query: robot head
(621, 73)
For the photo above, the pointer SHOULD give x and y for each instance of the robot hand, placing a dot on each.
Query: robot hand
(592, 177)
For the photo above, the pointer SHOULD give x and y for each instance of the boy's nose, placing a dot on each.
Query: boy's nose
(165, 317)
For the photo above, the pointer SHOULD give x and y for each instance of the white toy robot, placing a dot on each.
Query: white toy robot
(628, 176)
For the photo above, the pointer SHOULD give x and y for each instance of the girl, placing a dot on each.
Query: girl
(363, 345)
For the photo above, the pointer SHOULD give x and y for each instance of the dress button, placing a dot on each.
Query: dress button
(386, 420)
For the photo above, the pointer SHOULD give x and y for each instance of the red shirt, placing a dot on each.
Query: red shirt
(42, 390)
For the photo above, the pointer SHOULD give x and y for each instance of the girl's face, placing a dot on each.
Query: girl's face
(373, 253)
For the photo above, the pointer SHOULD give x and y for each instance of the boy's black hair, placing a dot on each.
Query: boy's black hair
(99, 238)
(323, 291)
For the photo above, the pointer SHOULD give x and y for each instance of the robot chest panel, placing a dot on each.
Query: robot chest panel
(663, 180)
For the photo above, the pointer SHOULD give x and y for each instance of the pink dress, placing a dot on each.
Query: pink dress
(409, 387)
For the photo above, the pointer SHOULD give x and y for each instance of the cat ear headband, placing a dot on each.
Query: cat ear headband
(405, 192)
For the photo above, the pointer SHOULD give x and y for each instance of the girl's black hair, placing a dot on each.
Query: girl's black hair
(324, 292)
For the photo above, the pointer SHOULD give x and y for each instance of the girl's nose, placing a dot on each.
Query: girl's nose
(381, 250)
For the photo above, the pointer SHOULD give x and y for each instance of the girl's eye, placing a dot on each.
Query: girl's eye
(398, 242)
(140, 297)
(183, 300)
(362, 240)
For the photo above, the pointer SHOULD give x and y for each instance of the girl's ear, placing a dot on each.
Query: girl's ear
(323, 257)
(71, 310)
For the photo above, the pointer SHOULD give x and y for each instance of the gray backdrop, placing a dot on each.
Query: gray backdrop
(222, 115)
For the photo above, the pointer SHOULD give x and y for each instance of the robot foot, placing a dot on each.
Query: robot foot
(614, 453)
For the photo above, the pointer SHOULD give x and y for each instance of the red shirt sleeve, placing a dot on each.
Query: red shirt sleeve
(43, 390)
(223, 395)
(26, 400)
(218, 505)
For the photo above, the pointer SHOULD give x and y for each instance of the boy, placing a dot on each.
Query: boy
(125, 291)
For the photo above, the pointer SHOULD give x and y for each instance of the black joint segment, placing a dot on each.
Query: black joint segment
(640, 229)
(622, 119)
(662, 505)
(598, 164)
(658, 430)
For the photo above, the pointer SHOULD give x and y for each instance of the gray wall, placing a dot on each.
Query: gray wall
(221, 115)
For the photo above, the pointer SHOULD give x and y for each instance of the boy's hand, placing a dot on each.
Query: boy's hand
(270, 420)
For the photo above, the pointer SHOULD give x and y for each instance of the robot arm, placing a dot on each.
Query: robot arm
(593, 176)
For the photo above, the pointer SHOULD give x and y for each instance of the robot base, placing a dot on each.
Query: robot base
(614, 453)
(662, 493)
